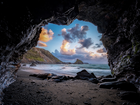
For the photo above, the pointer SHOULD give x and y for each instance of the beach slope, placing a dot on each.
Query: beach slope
(29, 90)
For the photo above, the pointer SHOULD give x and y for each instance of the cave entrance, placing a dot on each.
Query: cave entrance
(117, 20)
(77, 46)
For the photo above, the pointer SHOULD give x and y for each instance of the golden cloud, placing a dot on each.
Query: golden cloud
(64, 48)
(103, 50)
(41, 44)
(46, 35)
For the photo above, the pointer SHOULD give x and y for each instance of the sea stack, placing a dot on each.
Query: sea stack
(78, 62)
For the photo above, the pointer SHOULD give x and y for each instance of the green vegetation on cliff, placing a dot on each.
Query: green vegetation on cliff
(39, 55)
(33, 55)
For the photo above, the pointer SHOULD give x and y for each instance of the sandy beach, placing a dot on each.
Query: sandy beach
(28, 90)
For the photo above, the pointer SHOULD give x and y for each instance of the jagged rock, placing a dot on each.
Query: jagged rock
(24, 65)
(84, 75)
(129, 95)
(43, 76)
(100, 77)
(123, 85)
(56, 80)
(33, 64)
(65, 78)
(52, 77)
(34, 75)
(93, 80)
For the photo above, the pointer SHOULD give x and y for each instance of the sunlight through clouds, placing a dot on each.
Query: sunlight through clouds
(46, 35)
(64, 49)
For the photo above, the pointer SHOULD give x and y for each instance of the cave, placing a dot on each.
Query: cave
(118, 21)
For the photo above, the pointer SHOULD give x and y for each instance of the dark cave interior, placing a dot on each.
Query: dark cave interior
(118, 21)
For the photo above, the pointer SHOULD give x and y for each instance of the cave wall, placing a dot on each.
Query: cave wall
(118, 21)
(20, 26)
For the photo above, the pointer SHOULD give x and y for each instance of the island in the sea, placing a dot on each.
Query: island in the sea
(78, 62)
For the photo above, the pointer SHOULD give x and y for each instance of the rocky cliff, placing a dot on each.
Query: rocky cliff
(38, 55)
(78, 62)
(117, 20)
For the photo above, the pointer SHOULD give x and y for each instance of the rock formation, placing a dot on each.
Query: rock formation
(78, 62)
(38, 55)
(118, 21)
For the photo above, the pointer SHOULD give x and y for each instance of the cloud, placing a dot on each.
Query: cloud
(46, 35)
(87, 54)
(103, 50)
(64, 31)
(57, 52)
(86, 43)
(81, 51)
(64, 48)
(41, 44)
(74, 33)
(66, 36)
(84, 55)
(98, 45)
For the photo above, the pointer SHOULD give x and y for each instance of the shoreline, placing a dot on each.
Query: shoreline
(28, 90)
(37, 71)
(68, 70)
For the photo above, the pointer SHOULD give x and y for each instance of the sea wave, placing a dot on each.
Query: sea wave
(72, 69)
(92, 66)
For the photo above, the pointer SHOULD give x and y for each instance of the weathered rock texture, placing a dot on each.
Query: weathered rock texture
(119, 23)
(117, 20)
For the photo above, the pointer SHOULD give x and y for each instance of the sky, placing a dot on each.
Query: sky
(79, 40)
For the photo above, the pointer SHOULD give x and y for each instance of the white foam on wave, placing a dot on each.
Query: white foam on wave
(71, 69)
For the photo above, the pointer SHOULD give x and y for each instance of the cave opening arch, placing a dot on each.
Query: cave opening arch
(118, 21)
(78, 36)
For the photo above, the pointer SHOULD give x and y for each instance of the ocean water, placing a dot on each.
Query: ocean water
(72, 69)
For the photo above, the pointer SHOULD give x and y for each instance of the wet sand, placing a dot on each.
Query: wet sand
(29, 90)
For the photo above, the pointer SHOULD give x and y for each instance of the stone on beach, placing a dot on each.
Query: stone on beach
(52, 77)
(24, 65)
(43, 76)
(56, 80)
(35, 91)
(84, 75)
(33, 64)
(93, 80)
